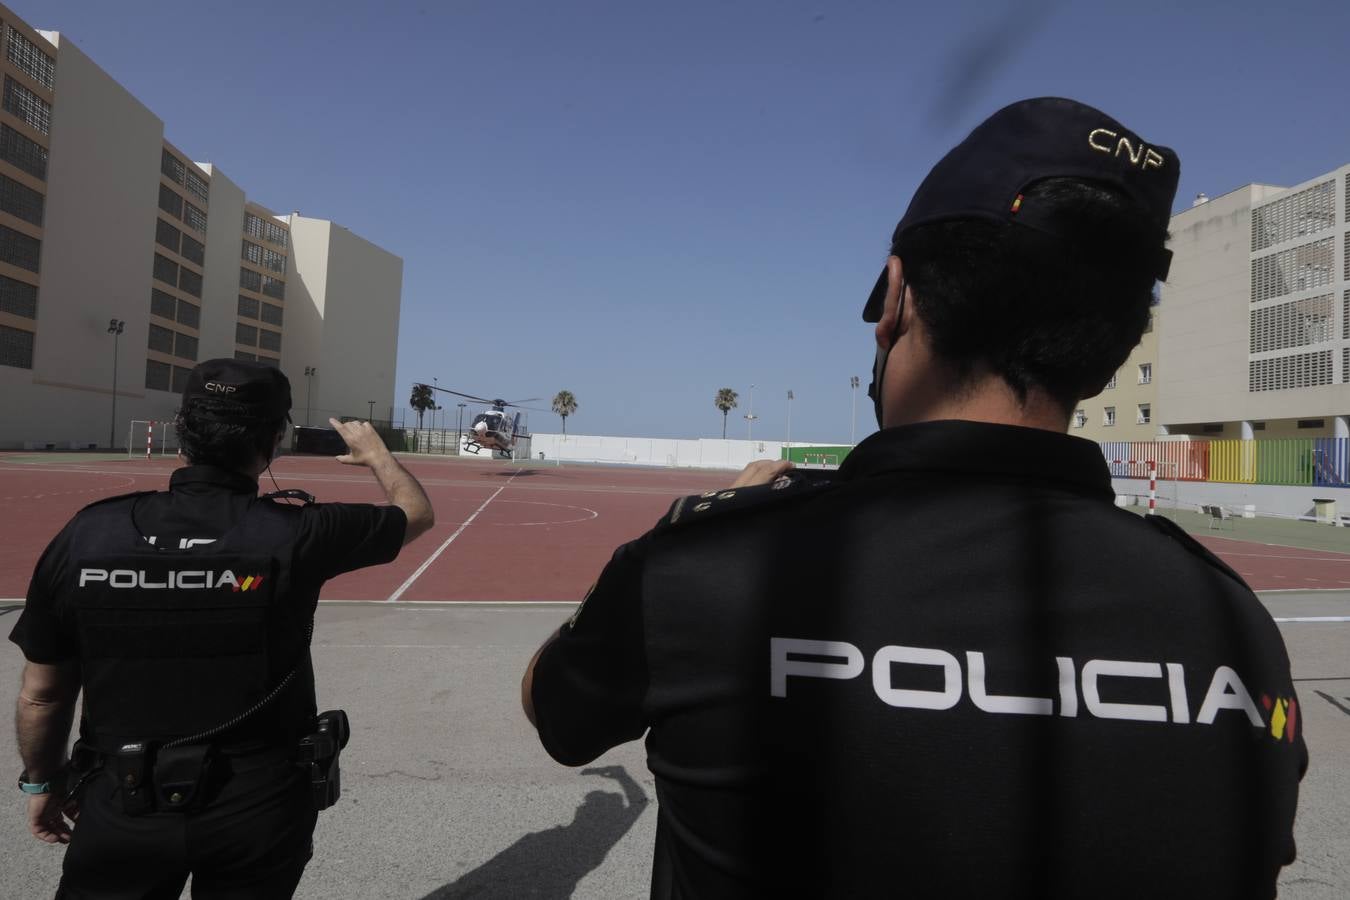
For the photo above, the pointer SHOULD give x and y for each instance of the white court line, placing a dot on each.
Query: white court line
(448, 541)
(1313, 619)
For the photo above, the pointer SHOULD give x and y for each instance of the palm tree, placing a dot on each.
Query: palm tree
(726, 402)
(421, 400)
(564, 404)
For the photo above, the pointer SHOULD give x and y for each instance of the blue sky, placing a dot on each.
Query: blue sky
(642, 203)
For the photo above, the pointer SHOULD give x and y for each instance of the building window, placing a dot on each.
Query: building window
(180, 378)
(250, 280)
(171, 166)
(166, 235)
(27, 106)
(1312, 423)
(194, 251)
(248, 307)
(196, 186)
(253, 226)
(190, 282)
(1148, 326)
(189, 314)
(1294, 216)
(194, 218)
(1258, 426)
(1299, 268)
(1216, 428)
(270, 360)
(269, 340)
(1145, 414)
(18, 249)
(274, 288)
(185, 346)
(1279, 373)
(245, 334)
(1109, 415)
(240, 354)
(273, 260)
(162, 304)
(251, 252)
(23, 152)
(27, 56)
(276, 234)
(166, 270)
(1145, 373)
(271, 314)
(161, 339)
(18, 298)
(16, 347)
(156, 375)
(1079, 418)
(1112, 383)
(20, 200)
(170, 202)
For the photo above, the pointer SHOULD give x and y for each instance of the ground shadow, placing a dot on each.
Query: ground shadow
(551, 862)
(1334, 702)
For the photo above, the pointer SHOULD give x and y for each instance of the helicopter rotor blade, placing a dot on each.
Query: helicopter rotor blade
(458, 393)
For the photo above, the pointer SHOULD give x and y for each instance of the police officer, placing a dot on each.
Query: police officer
(185, 617)
(954, 668)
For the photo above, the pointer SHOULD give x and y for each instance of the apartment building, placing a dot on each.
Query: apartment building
(123, 263)
(1124, 410)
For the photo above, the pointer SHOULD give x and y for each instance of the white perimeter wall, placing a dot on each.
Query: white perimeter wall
(1269, 499)
(700, 454)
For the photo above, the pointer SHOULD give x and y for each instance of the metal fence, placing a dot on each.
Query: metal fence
(1297, 461)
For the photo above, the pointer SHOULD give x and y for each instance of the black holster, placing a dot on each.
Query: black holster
(131, 764)
(319, 754)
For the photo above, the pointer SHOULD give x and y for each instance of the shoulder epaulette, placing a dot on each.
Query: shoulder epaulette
(129, 496)
(1175, 531)
(289, 494)
(714, 504)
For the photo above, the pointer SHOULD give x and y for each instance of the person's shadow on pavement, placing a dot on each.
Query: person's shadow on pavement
(551, 862)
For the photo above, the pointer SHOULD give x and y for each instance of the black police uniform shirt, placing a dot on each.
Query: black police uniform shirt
(201, 505)
(955, 669)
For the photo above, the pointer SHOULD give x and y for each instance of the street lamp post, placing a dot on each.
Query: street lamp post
(853, 425)
(789, 421)
(310, 372)
(370, 415)
(459, 428)
(750, 416)
(115, 328)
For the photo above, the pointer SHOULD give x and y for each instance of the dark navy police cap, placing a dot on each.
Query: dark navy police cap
(252, 391)
(984, 176)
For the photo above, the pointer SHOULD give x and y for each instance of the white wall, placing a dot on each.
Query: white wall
(343, 298)
(97, 258)
(1269, 499)
(702, 453)
(220, 281)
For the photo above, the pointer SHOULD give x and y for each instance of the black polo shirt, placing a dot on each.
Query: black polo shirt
(955, 669)
(201, 505)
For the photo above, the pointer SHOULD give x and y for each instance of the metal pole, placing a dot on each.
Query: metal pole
(750, 416)
(459, 429)
(853, 422)
(789, 422)
(370, 415)
(115, 328)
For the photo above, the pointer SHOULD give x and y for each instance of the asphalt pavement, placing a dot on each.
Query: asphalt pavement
(447, 794)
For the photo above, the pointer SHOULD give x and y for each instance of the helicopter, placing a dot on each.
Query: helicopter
(494, 429)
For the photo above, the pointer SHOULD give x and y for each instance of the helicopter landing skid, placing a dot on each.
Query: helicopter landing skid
(473, 448)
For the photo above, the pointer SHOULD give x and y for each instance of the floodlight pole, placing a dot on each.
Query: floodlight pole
(789, 421)
(310, 372)
(750, 416)
(115, 328)
(853, 423)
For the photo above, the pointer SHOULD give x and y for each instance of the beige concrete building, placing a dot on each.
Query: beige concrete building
(123, 263)
(1255, 319)
(1125, 410)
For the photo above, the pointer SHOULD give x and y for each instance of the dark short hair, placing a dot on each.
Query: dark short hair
(206, 440)
(1037, 310)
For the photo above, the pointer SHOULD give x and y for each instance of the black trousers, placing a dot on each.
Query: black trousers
(252, 839)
